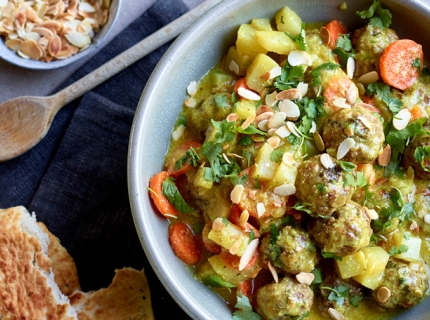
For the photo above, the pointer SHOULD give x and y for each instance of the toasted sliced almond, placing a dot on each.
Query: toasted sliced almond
(336, 315)
(263, 109)
(271, 99)
(85, 6)
(371, 213)
(232, 117)
(383, 294)
(263, 126)
(276, 120)
(286, 189)
(325, 35)
(190, 103)
(350, 67)
(13, 44)
(247, 122)
(303, 88)
(248, 94)
(192, 88)
(365, 121)
(236, 193)
(235, 247)
(3, 3)
(290, 94)
(401, 119)
(248, 254)
(326, 161)
(31, 49)
(344, 148)
(218, 225)
(44, 32)
(226, 158)
(265, 76)
(263, 116)
(283, 132)
(234, 67)
(298, 57)
(275, 72)
(351, 94)
(341, 103)
(313, 128)
(360, 87)
(319, 142)
(261, 209)
(78, 39)
(349, 131)
(178, 132)
(274, 141)
(273, 272)
(292, 127)
(290, 109)
(368, 78)
(385, 156)
(243, 219)
(288, 159)
(305, 278)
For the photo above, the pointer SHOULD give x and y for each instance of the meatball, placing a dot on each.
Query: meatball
(321, 189)
(346, 232)
(293, 251)
(406, 282)
(360, 124)
(422, 170)
(285, 299)
(369, 43)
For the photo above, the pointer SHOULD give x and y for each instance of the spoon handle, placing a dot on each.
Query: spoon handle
(129, 56)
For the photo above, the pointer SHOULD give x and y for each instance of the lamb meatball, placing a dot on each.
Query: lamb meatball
(422, 171)
(360, 124)
(293, 251)
(370, 42)
(407, 283)
(346, 232)
(285, 299)
(321, 189)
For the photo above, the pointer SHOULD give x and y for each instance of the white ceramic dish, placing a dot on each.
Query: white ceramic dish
(11, 57)
(189, 58)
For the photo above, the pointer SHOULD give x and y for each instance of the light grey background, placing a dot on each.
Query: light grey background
(16, 81)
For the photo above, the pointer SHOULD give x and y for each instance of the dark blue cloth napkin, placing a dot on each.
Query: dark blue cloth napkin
(75, 179)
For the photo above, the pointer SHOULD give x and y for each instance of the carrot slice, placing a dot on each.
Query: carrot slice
(184, 243)
(246, 287)
(212, 246)
(334, 28)
(416, 112)
(241, 83)
(163, 205)
(398, 63)
(234, 217)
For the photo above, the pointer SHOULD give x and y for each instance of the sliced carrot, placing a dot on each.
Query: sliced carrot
(163, 205)
(368, 100)
(235, 213)
(336, 88)
(397, 63)
(208, 243)
(368, 171)
(246, 287)
(334, 28)
(233, 261)
(241, 83)
(416, 112)
(184, 243)
(176, 155)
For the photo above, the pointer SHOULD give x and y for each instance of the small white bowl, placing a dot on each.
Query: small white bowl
(12, 57)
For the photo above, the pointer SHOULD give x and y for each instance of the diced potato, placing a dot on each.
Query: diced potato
(258, 68)
(352, 265)
(230, 274)
(199, 179)
(264, 167)
(284, 174)
(204, 270)
(245, 108)
(376, 260)
(243, 61)
(275, 41)
(288, 21)
(261, 24)
(413, 244)
(222, 79)
(229, 235)
(246, 43)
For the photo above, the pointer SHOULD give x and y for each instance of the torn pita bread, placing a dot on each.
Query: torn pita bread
(127, 298)
(63, 266)
(28, 289)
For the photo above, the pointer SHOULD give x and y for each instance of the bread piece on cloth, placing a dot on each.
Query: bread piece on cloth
(63, 266)
(27, 286)
(127, 298)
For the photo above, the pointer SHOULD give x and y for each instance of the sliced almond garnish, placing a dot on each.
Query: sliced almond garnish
(350, 67)
(236, 193)
(290, 94)
(298, 57)
(275, 72)
(368, 78)
(3, 3)
(292, 127)
(319, 142)
(360, 87)
(290, 109)
(192, 88)
(274, 141)
(344, 148)
(235, 247)
(383, 294)
(413, 226)
(401, 119)
(286, 189)
(248, 254)
(78, 39)
(247, 122)
(371, 213)
(234, 67)
(341, 103)
(190, 103)
(261, 209)
(248, 94)
(218, 225)
(232, 117)
(351, 94)
(263, 116)
(263, 109)
(283, 132)
(313, 128)
(336, 315)
(288, 159)
(325, 35)
(44, 32)
(13, 44)
(271, 99)
(243, 219)
(273, 272)
(178, 132)
(326, 161)
(303, 88)
(305, 278)
(276, 120)
(385, 156)
(263, 125)
(31, 49)
(365, 121)
(226, 158)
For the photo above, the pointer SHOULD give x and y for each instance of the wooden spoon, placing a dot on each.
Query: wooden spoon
(24, 121)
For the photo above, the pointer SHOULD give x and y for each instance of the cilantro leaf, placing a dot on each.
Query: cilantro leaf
(315, 73)
(250, 130)
(247, 155)
(378, 16)
(398, 250)
(217, 282)
(355, 300)
(171, 192)
(245, 309)
(245, 141)
(343, 42)
(359, 182)
(417, 64)
(422, 155)
(300, 39)
(301, 207)
(274, 233)
(289, 78)
(304, 315)
(328, 255)
(321, 187)
(225, 131)
(343, 55)
(221, 101)
(338, 293)
(276, 155)
(347, 166)
(191, 156)
(317, 276)
(383, 92)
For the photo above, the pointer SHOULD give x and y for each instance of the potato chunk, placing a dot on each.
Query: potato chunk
(352, 265)
(275, 41)
(261, 24)
(241, 60)
(264, 167)
(229, 236)
(258, 68)
(288, 21)
(246, 43)
(376, 260)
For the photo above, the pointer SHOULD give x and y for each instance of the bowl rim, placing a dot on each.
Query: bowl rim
(12, 57)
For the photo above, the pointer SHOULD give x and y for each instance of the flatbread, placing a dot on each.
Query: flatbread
(127, 298)
(63, 266)
(27, 286)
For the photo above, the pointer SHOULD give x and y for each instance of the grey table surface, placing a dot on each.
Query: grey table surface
(16, 81)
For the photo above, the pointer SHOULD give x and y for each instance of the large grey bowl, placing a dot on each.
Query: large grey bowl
(189, 58)
(11, 57)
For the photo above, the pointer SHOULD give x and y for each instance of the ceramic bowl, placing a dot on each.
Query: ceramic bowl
(12, 57)
(188, 59)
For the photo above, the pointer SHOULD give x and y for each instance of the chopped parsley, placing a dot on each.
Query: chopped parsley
(338, 293)
(317, 276)
(289, 78)
(383, 92)
(398, 250)
(347, 166)
(300, 39)
(244, 307)
(276, 155)
(422, 155)
(378, 16)
(171, 192)
(191, 156)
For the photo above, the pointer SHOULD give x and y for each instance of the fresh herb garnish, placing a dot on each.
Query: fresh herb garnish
(355, 300)
(217, 282)
(221, 101)
(360, 181)
(422, 155)
(317, 276)
(417, 64)
(301, 207)
(250, 130)
(321, 187)
(316, 73)
(383, 92)
(304, 315)
(300, 39)
(338, 293)
(347, 166)
(343, 49)
(244, 307)
(289, 78)
(276, 155)
(191, 156)
(328, 255)
(245, 141)
(398, 250)
(378, 16)
(171, 192)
